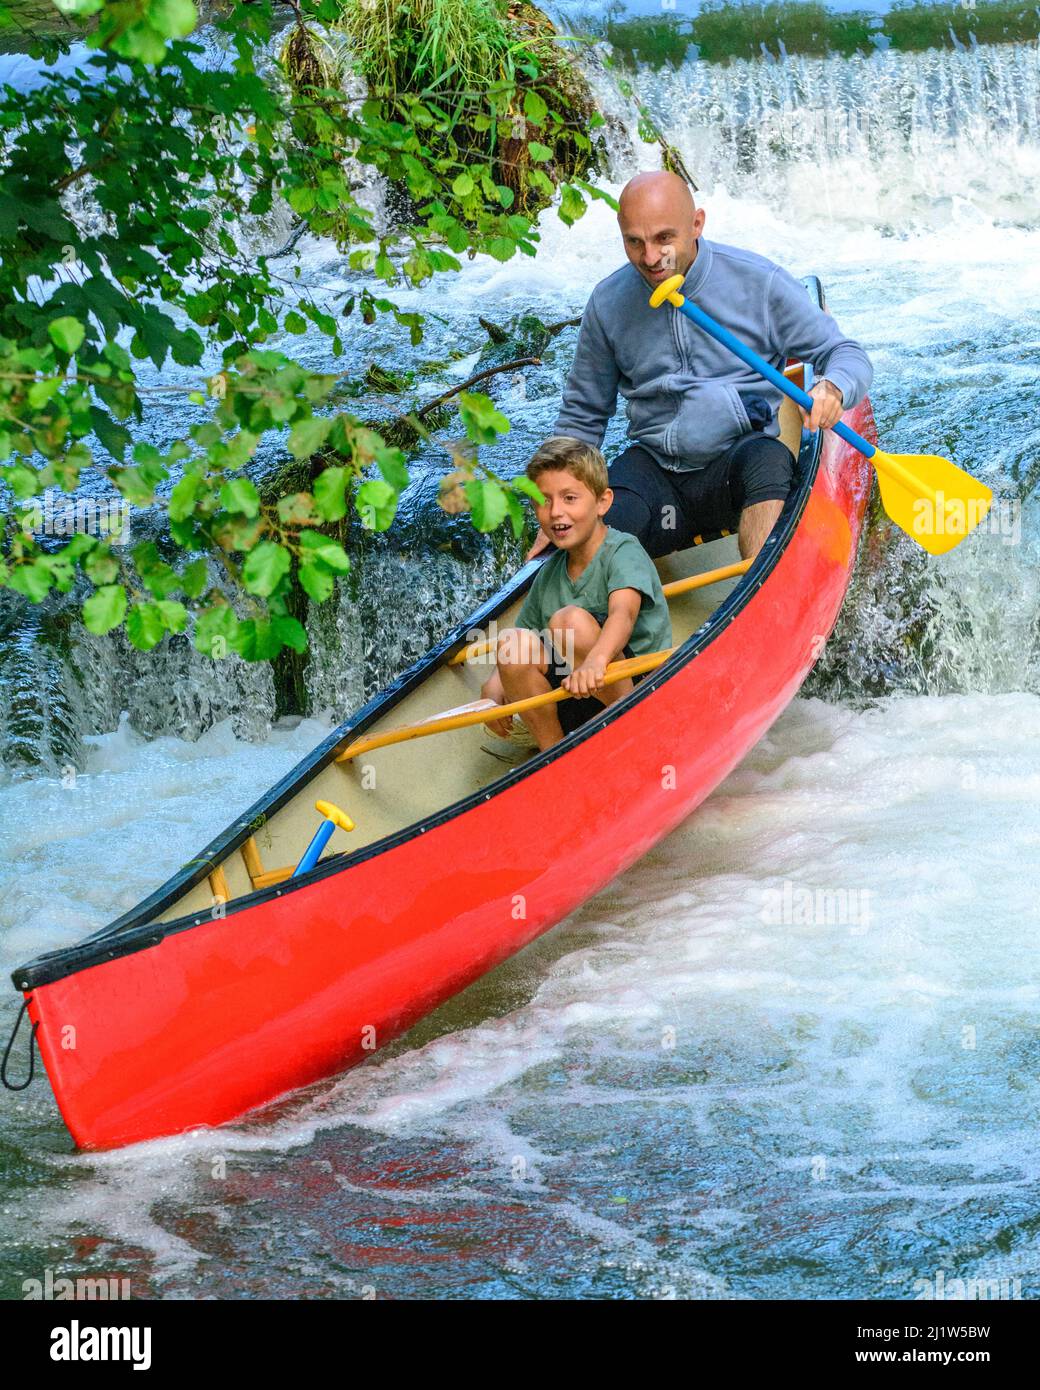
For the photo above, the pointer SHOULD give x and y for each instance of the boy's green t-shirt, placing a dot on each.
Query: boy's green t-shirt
(619, 563)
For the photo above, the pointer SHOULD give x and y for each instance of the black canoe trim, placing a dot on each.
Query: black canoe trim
(137, 929)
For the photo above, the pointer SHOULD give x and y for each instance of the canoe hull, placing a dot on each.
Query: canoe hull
(223, 1016)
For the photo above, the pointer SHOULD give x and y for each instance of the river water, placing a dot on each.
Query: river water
(791, 1053)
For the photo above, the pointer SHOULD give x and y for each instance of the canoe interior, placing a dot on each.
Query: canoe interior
(386, 790)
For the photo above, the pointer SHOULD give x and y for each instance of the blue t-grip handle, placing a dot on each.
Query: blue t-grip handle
(726, 338)
(312, 853)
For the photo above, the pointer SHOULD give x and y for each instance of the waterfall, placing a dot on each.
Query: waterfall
(835, 165)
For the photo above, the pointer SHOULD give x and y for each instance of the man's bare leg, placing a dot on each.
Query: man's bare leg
(756, 522)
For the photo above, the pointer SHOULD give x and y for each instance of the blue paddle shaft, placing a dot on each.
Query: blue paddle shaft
(312, 853)
(726, 338)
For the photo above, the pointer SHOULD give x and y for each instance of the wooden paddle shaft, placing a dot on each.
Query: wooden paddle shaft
(616, 671)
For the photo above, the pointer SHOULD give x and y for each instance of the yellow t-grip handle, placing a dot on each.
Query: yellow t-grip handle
(334, 814)
(668, 289)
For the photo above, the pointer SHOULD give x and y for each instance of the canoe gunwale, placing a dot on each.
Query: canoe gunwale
(138, 930)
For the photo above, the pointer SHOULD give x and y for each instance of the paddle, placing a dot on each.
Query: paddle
(333, 817)
(936, 503)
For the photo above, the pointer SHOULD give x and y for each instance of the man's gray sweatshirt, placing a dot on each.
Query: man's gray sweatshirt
(688, 396)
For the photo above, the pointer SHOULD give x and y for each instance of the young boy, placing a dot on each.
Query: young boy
(596, 599)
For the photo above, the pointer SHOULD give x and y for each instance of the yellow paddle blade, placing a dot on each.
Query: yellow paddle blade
(936, 503)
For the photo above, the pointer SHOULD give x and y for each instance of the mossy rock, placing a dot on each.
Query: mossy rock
(395, 59)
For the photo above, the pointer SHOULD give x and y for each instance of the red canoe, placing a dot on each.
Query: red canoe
(188, 1013)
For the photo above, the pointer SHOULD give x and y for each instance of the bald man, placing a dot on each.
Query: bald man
(705, 453)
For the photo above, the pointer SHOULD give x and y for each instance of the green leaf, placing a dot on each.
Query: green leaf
(173, 18)
(539, 152)
(117, 355)
(463, 185)
(501, 247)
(528, 487)
(105, 609)
(330, 488)
(572, 205)
(534, 107)
(516, 514)
(216, 631)
(40, 392)
(290, 632)
(194, 577)
(66, 334)
(134, 486)
(257, 641)
(317, 581)
(101, 566)
(391, 462)
(174, 615)
(319, 549)
(79, 7)
(24, 482)
(34, 580)
(294, 322)
(114, 437)
(488, 503)
(308, 435)
(79, 546)
(240, 495)
(265, 568)
(481, 417)
(206, 435)
(144, 626)
(184, 496)
(376, 504)
(158, 577)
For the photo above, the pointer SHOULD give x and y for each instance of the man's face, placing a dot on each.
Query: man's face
(658, 241)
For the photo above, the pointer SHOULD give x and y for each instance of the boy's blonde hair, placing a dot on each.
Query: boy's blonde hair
(583, 460)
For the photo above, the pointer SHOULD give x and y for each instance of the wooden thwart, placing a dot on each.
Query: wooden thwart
(218, 884)
(260, 877)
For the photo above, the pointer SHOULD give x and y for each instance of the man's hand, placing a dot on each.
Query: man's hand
(587, 677)
(827, 406)
(540, 543)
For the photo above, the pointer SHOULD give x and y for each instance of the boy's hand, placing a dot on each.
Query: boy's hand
(587, 677)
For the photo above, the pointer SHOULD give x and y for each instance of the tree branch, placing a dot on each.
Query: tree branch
(480, 376)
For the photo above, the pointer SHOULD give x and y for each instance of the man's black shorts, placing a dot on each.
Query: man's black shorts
(665, 510)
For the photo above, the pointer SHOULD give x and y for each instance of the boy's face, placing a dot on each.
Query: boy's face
(571, 511)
